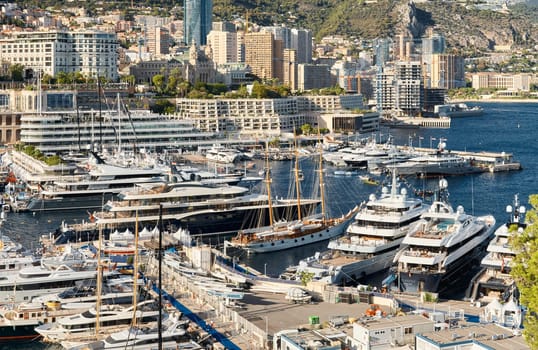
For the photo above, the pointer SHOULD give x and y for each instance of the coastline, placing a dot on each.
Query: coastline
(507, 100)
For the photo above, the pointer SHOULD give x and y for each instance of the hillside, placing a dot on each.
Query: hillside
(464, 28)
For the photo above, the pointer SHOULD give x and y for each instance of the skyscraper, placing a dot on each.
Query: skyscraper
(197, 21)
(223, 43)
(260, 53)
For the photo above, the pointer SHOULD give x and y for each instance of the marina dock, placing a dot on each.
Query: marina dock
(250, 317)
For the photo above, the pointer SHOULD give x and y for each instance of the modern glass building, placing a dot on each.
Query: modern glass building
(197, 21)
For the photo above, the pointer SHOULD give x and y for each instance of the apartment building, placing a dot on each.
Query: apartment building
(91, 52)
(264, 116)
(515, 82)
(400, 89)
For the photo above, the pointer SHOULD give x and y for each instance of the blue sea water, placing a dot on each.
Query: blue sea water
(504, 127)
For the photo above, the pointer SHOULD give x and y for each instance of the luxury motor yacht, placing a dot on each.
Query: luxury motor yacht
(440, 247)
(370, 241)
(31, 282)
(494, 280)
(101, 183)
(112, 318)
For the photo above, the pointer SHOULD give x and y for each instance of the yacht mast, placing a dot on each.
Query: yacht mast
(99, 283)
(297, 183)
(119, 125)
(268, 183)
(135, 274)
(321, 180)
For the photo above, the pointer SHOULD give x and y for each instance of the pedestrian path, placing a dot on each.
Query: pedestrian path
(227, 343)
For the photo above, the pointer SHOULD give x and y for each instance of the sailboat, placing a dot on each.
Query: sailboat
(101, 320)
(290, 234)
(168, 332)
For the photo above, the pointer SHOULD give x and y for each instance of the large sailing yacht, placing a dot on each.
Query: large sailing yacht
(292, 233)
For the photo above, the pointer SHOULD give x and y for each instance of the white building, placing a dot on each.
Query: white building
(471, 337)
(90, 52)
(263, 116)
(385, 333)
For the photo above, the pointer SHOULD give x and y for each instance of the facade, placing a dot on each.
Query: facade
(447, 71)
(223, 46)
(93, 53)
(382, 51)
(349, 122)
(233, 74)
(289, 68)
(301, 41)
(385, 90)
(197, 21)
(144, 71)
(409, 89)
(260, 53)
(280, 33)
(384, 333)
(257, 117)
(158, 41)
(516, 82)
(312, 76)
(347, 75)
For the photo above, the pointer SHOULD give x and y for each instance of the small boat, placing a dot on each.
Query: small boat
(368, 180)
(143, 338)
(17, 323)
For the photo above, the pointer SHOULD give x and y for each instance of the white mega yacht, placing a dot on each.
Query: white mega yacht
(440, 247)
(371, 241)
(494, 280)
(32, 282)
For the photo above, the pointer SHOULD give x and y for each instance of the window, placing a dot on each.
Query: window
(408, 330)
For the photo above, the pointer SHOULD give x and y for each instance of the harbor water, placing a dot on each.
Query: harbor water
(504, 127)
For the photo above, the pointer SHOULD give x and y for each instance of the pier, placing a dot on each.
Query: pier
(250, 317)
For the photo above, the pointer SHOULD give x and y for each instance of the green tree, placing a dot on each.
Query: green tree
(158, 82)
(525, 271)
(16, 71)
(259, 90)
(306, 129)
(47, 79)
(62, 78)
(163, 106)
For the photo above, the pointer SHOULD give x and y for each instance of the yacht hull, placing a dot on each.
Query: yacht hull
(70, 203)
(359, 269)
(287, 243)
(205, 223)
(447, 280)
(18, 333)
(350, 272)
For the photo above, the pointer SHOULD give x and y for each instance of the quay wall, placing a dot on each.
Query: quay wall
(216, 309)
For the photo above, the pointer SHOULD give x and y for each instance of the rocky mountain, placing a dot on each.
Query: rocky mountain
(465, 26)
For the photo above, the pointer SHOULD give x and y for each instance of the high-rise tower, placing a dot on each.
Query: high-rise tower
(197, 21)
